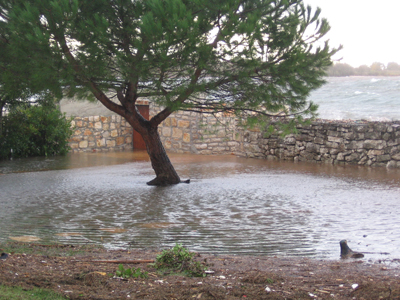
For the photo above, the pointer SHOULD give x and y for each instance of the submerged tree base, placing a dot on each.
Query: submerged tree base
(163, 181)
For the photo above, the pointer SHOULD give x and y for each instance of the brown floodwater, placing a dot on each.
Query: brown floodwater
(232, 205)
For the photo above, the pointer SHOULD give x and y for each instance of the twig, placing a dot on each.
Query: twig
(140, 261)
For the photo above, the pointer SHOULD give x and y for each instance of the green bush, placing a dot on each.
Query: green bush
(35, 131)
(179, 260)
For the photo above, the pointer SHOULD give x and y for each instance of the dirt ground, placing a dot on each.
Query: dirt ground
(80, 272)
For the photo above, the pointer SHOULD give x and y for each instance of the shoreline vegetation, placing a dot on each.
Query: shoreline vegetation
(376, 69)
(90, 272)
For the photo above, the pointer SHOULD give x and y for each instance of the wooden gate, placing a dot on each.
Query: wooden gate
(138, 142)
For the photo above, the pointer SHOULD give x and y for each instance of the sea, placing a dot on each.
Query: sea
(359, 98)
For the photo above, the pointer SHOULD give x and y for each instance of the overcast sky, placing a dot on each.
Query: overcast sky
(367, 29)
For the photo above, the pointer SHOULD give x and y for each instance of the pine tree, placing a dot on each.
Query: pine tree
(249, 57)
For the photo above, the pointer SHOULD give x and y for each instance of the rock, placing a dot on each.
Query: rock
(346, 252)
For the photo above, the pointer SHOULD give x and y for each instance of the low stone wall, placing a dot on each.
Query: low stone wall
(190, 132)
(371, 144)
(333, 142)
(99, 133)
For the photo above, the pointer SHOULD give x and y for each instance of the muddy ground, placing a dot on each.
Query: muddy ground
(82, 272)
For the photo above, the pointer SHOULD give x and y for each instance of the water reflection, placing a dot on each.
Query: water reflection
(233, 205)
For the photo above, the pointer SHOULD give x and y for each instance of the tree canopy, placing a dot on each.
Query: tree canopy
(248, 57)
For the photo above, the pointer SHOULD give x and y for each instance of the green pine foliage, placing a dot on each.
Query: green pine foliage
(251, 57)
(35, 131)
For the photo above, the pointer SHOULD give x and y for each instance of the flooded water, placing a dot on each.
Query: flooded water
(359, 97)
(232, 205)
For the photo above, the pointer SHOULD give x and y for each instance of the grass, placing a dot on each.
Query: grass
(46, 249)
(18, 293)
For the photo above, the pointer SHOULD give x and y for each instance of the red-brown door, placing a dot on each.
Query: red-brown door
(138, 142)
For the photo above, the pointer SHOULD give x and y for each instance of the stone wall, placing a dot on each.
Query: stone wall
(100, 133)
(333, 142)
(190, 132)
(371, 144)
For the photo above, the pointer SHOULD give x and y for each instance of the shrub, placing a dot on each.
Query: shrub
(35, 131)
(179, 260)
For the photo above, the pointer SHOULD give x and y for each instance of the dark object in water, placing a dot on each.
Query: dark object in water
(3, 256)
(346, 252)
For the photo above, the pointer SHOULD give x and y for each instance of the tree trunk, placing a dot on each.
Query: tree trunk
(165, 172)
(1, 117)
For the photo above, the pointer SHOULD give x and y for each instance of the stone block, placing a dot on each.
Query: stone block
(166, 122)
(333, 133)
(201, 146)
(114, 133)
(386, 136)
(319, 140)
(205, 152)
(177, 133)
(383, 158)
(393, 164)
(349, 135)
(183, 123)
(353, 145)
(335, 139)
(221, 133)
(231, 144)
(186, 138)
(334, 151)
(312, 148)
(83, 144)
(166, 131)
(340, 156)
(373, 135)
(222, 149)
(375, 152)
(394, 142)
(120, 140)
(100, 142)
(174, 122)
(76, 138)
(374, 144)
(353, 157)
(110, 143)
(167, 144)
(396, 156)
